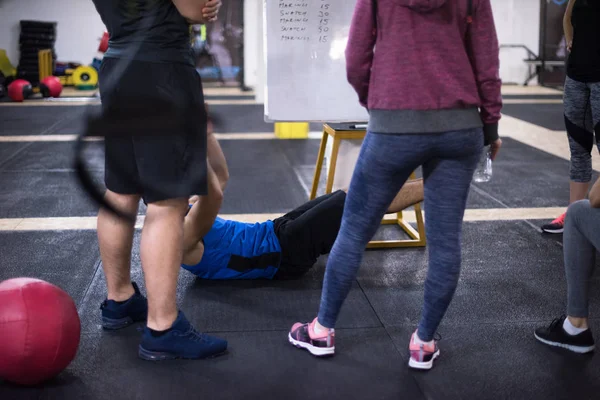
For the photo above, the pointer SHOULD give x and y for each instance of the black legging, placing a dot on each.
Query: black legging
(308, 232)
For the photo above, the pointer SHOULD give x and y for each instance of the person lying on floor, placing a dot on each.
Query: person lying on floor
(285, 248)
(581, 240)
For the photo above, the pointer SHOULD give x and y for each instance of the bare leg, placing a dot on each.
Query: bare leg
(411, 193)
(581, 323)
(578, 191)
(161, 252)
(115, 237)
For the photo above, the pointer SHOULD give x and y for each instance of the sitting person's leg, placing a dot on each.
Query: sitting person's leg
(307, 232)
(581, 240)
(411, 193)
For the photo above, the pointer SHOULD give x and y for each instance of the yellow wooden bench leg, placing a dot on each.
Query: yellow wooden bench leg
(332, 165)
(420, 225)
(320, 158)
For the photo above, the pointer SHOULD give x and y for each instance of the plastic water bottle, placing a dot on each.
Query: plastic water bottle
(483, 173)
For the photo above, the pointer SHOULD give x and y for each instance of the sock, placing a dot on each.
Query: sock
(572, 330)
(159, 333)
(318, 329)
(419, 341)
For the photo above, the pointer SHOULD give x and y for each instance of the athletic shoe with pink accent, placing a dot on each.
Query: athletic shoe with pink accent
(556, 226)
(303, 336)
(422, 355)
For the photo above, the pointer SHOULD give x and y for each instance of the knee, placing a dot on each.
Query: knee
(125, 202)
(577, 211)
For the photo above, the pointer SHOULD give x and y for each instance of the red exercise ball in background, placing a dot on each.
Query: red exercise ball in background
(19, 90)
(39, 331)
(50, 86)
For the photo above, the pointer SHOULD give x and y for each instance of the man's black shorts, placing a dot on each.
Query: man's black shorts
(159, 166)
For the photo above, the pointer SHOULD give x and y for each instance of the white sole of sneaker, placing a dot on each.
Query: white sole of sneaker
(315, 351)
(561, 230)
(576, 349)
(423, 365)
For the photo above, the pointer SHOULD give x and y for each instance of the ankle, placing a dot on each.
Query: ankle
(161, 323)
(122, 293)
(418, 340)
(318, 328)
(580, 323)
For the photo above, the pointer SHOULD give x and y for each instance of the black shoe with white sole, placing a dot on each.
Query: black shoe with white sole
(555, 335)
(556, 226)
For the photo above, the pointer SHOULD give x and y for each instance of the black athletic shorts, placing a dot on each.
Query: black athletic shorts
(158, 164)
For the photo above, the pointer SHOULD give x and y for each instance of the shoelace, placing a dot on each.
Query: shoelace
(194, 335)
(556, 321)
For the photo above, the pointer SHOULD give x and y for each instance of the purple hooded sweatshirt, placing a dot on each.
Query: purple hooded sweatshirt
(420, 67)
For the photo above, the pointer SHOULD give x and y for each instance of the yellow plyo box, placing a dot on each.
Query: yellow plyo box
(291, 130)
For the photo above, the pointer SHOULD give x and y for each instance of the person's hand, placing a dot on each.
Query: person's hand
(495, 148)
(569, 46)
(211, 10)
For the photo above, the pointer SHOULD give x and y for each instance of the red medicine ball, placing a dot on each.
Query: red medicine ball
(39, 331)
(19, 90)
(50, 86)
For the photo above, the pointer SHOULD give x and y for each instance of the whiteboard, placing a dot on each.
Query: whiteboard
(305, 41)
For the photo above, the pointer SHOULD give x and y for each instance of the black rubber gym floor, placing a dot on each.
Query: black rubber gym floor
(549, 116)
(512, 282)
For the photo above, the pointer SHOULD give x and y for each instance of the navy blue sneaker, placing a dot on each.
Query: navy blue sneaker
(120, 315)
(181, 341)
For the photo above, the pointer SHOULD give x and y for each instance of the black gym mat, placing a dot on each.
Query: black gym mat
(507, 288)
(31, 120)
(244, 118)
(260, 365)
(261, 179)
(9, 150)
(40, 181)
(549, 116)
(504, 278)
(498, 361)
(73, 123)
(239, 118)
(37, 194)
(57, 157)
(300, 152)
(67, 259)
